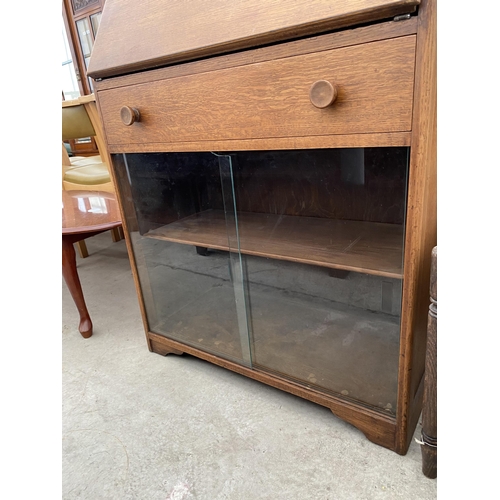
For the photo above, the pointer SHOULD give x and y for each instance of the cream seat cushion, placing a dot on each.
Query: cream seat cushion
(81, 161)
(91, 174)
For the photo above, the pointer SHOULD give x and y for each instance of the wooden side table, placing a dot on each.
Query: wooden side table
(84, 214)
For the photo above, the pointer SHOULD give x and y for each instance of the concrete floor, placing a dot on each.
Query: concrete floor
(137, 425)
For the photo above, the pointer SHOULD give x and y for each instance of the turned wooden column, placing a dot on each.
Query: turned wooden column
(429, 411)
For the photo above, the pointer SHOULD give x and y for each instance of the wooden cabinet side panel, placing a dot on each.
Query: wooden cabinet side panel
(421, 228)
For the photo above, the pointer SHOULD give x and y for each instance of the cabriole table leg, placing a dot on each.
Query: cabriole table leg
(72, 280)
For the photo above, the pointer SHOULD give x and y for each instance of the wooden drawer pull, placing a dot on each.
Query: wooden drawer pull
(322, 94)
(129, 115)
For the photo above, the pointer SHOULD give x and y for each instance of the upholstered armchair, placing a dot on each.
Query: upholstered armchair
(80, 120)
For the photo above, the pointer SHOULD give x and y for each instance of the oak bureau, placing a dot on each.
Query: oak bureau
(276, 170)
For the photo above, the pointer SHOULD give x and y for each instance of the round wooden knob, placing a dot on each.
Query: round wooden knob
(129, 115)
(322, 93)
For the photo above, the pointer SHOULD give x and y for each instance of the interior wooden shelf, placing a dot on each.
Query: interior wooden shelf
(365, 247)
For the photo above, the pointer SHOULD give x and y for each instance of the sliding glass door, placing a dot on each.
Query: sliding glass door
(321, 237)
(182, 221)
(288, 262)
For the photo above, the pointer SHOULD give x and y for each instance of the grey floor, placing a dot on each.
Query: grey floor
(137, 425)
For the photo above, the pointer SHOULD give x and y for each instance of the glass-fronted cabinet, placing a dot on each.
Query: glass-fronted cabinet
(288, 262)
(277, 181)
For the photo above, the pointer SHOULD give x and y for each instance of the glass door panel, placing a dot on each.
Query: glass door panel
(289, 262)
(236, 261)
(182, 222)
(321, 236)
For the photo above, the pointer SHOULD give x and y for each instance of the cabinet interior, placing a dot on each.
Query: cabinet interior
(285, 261)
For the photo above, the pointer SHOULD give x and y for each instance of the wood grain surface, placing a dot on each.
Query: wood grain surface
(271, 99)
(135, 35)
(319, 43)
(366, 247)
(290, 143)
(89, 211)
(257, 100)
(421, 226)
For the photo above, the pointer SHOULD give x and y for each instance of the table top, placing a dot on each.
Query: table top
(88, 211)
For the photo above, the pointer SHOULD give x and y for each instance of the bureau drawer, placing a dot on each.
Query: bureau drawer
(374, 84)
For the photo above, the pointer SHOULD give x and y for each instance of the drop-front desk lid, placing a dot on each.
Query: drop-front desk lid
(138, 35)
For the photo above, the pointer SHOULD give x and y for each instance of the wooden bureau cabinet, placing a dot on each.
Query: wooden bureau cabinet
(276, 169)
